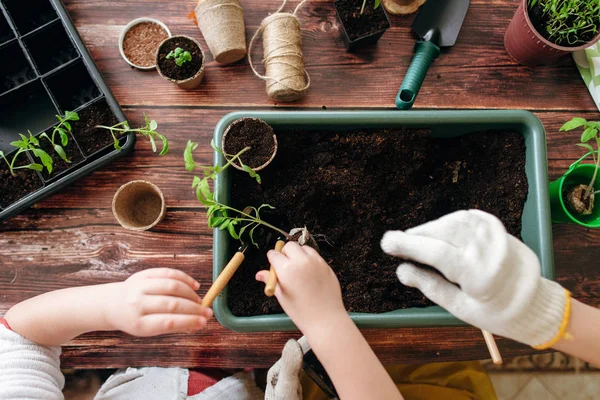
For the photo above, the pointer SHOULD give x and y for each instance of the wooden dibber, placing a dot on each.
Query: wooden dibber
(272, 282)
(492, 347)
(224, 278)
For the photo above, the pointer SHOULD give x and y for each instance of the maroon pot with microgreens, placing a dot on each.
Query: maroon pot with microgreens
(526, 44)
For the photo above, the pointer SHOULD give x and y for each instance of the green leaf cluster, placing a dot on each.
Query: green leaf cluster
(569, 20)
(219, 215)
(28, 145)
(364, 4)
(149, 131)
(62, 130)
(181, 56)
(590, 131)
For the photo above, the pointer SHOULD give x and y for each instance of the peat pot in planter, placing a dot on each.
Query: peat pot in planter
(180, 59)
(530, 41)
(362, 24)
(255, 135)
(561, 190)
(350, 176)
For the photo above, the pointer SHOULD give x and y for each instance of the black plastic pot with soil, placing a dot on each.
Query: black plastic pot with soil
(362, 24)
(50, 74)
(180, 60)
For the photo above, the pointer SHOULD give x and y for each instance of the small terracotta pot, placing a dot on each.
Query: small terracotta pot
(267, 126)
(189, 83)
(527, 47)
(139, 205)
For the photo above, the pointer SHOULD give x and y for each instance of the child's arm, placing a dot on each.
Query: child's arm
(491, 280)
(150, 302)
(310, 294)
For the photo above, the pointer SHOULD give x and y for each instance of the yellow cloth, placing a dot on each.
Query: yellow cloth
(448, 381)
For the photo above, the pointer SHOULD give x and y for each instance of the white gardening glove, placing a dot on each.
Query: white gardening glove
(283, 380)
(492, 279)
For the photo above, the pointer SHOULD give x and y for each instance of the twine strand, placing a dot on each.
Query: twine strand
(279, 47)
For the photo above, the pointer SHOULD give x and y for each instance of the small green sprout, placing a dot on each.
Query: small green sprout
(180, 56)
(591, 131)
(219, 215)
(149, 130)
(61, 129)
(28, 144)
(569, 20)
(362, 9)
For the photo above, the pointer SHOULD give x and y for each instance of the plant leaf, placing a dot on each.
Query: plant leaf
(44, 158)
(215, 147)
(61, 153)
(117, 145)
(35, 167)
(20, 144)
(377, 4)
(585, 146)
(152, 142)
(232, 232)
(67, 125)
(588, 134)
(71, 116)
(153, 125)
(573, 124)
(64, 138)
(205, 189)
(33, 140)
(188, 155)
(165, 144)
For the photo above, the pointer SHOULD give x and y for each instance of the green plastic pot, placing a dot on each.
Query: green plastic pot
(536, 233)
(576, 174)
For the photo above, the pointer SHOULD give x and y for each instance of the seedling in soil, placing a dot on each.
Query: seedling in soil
(220, 215)
(377, 4)
(212, 171)
(581, 197)
(149, 131)
(181, 56)
(568, 21)
(61, 129)
(30, 145)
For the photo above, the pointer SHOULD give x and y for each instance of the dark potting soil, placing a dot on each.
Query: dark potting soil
(253, 133)
(13, 188)
(90, 138)
(540, 22)
(59, 165)
(354, 186)
(168, 66)
(358, 25)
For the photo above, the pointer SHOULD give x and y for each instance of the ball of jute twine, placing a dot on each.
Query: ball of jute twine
(285, 75)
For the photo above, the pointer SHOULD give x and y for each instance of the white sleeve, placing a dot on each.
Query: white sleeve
(28, 371)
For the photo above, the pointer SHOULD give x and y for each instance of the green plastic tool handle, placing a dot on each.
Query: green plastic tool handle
(426, 52)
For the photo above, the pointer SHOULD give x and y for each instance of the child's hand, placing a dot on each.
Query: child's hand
(308, 290)
(155, 302)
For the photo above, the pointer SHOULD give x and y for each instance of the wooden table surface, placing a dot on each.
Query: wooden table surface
(73, 239)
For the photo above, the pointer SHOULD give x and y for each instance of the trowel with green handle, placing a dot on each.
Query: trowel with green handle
(437, 25)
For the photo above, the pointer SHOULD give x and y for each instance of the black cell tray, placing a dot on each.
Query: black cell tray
(46, 71)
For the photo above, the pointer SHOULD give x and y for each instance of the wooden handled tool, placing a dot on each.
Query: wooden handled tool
(272, 282)
(492, 347)
(224, 278)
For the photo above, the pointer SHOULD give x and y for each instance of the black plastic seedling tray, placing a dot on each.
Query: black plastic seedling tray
(45, 71)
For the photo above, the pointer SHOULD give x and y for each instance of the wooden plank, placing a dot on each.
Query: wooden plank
(475, 73)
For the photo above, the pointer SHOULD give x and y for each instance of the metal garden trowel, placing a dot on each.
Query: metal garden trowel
(437, 25)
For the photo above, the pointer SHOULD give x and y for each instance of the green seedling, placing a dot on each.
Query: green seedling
(180, 56)
(149, 130)
(28, 145)
(377, 4)
(219, 215)
(590, 132)
(61, 129)
(569, 20)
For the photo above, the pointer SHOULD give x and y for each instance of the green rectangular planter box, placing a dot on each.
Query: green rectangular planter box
(537, 230)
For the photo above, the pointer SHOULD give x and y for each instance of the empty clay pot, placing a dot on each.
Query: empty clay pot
(139, 205)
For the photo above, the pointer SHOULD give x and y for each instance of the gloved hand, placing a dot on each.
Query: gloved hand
(283, 381)
(492, 280)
